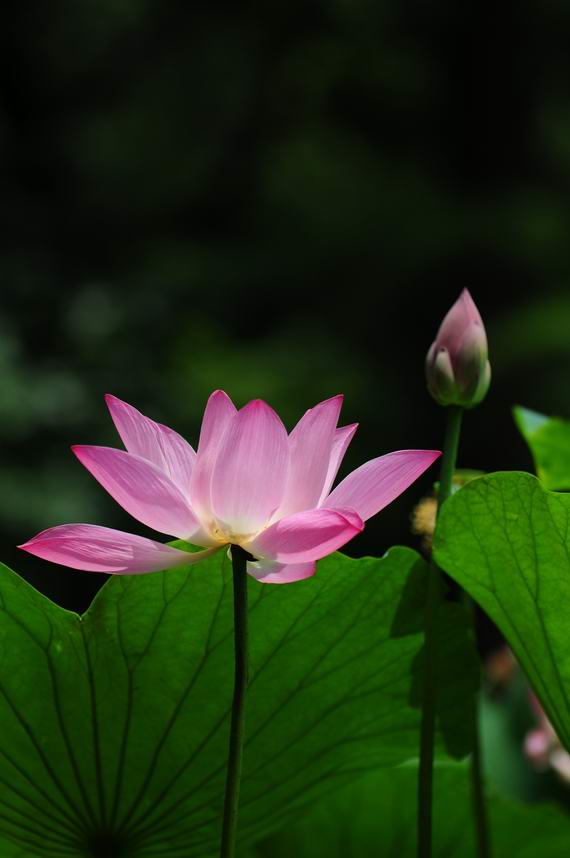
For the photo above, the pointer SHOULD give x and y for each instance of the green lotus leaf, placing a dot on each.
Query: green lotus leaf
(506, 540)
(114, 725)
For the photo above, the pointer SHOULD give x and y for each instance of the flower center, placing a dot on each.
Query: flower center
(225, 536)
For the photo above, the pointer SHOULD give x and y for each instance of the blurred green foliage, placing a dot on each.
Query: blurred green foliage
(279, 199)
(548, 439)
(377, 812)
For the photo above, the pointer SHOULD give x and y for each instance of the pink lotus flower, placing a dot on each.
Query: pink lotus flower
(249, 484)
(457, 366)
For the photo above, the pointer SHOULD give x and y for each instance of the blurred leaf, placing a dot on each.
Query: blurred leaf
(114, 725)
(549, 442)
(376, 816)
(506, 540)
(506, 717)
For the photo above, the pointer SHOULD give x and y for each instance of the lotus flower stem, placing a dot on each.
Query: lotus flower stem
(433, 601)
(449, 458)
(235, 754)
(483, 844)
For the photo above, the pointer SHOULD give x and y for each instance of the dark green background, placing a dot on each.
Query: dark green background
(281, 199)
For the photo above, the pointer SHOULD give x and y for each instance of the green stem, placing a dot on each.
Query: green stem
(482, 839)
(235, 754)
(449, 458)
(433, 600)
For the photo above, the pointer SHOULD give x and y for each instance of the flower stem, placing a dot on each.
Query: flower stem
(235, 754)
(433, 600)
(482, 839)
(449, 458)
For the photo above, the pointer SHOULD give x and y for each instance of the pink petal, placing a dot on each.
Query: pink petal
(459, 319)
(269, 572)
(249, 475)
(306, 536)
(156, 443)
(341, 440)
(537, 746)
(101, 549)
(140, 488)
(310, 445)
(377, 483)
(217, 417)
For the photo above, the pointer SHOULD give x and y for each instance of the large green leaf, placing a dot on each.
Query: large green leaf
(549, 442)
(114, 726)
(506, 540)
(376, 817)
(10, 849)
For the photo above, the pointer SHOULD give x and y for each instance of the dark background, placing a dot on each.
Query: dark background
(280, 199)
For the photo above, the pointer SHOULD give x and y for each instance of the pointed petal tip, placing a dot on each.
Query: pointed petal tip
(256, 405)
(31, 544)
(467, 297)
(337, 400)
(471, 307)
(82, 449)
(260, 407)
(218, 393)
(338, 397)
(112, 401)
(78, 449)
(219, 396)
(348, 432)
(39, 537)
(430, 456)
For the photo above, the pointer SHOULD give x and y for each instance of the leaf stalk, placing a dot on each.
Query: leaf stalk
(237, 726)
(432, 608)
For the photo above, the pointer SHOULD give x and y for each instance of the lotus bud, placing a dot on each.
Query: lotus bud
(457, 366)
